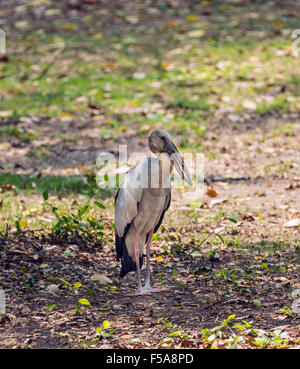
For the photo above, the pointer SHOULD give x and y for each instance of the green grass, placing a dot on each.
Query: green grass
(57, 185)
(11, 131)
(180, 77)
(191, 79)
(278, 104)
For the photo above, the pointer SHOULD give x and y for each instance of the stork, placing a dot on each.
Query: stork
(141, 202)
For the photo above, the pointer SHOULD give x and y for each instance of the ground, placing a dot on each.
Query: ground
(84, 77)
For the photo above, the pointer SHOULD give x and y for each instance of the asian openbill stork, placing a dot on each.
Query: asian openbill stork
(141, 202)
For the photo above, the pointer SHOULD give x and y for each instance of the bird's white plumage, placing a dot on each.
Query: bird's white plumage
(142, 199)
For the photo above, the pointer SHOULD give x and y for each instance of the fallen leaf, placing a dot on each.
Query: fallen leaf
(65, 116)
(192, 18)
(211, 192)
(253, 59)
(5, 113)
(44, 266)
(250, 105)
(51, 12)
(166, 65)
(292, 186)
(110, 65)
(100, 278)
(53, 289)
(248, 217)
(5, 146)
(23, 223)
(21, 24)
(197, 292)
(139, 75)
(69, 26)
(172, 24)
(106, 324)
(216, 202)
(256, 302)
(223, 64)
(278, 24)
(292, 223)
(186, 343)
(197, 33)
(84, 302)
(7, 187)
(293, 213)
(159, 258)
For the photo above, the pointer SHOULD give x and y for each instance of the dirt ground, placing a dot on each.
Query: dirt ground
(252, 275)
(230, 255)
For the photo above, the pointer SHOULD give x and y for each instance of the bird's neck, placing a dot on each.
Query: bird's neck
(165, 170)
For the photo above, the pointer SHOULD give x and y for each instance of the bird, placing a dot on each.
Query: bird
(141, 202)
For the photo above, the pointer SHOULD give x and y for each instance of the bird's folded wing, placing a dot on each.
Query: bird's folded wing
(166, 207)
(127, 200)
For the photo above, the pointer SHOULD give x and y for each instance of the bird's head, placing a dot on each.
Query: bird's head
(160, 142)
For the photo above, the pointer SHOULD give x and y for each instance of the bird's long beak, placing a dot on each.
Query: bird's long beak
(178, 162)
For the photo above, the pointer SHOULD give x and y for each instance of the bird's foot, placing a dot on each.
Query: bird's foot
(139, 292)
(149, 290)
(142, 292)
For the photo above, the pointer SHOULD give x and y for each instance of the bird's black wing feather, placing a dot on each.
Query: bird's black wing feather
(168, 202)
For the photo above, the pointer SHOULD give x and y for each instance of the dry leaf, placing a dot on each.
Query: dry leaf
(53, 289)
(293, 213)
(100, 278)
(278, 24)
(216, 202)
(44, 265)
(196, 33)
(69, 26)
(250, 105)
(5, 113)
(192, 18)
(248, 217)
(7, 187)
(65, 116)
(166, 65)
(292, 223)
(292, 186)
(23, 223)
(211, 192)
(186, 343)
(197, 292)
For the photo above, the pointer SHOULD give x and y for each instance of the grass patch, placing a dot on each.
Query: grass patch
(58, 185)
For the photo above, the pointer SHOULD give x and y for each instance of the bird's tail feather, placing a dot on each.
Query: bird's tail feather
(128, 265)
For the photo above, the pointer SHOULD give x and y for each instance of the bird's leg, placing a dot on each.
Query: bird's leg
(140, 290)
(137, 260)
(147, 288)
(148, 271)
